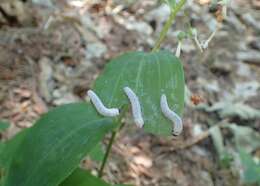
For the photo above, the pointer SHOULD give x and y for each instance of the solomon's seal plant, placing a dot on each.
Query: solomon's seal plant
(49, 153)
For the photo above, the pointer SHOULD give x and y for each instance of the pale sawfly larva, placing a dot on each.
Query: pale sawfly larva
(136, 107)
(172, 116)
(110, 112)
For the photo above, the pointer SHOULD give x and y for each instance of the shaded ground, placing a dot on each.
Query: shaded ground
(51, 53)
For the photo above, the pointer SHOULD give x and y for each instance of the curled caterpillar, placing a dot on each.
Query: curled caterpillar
(110, 112)
(171, 115)
(136, 108)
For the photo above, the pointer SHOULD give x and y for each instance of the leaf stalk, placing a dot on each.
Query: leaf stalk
(168, 24)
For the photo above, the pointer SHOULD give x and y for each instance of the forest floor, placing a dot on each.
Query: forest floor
(50, 54)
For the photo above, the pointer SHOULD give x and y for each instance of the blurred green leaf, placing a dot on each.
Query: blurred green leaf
(83, 178)
(231, 109)
(9, 148)
(251, 170)
(226, 160)
(245, 137)
(3, 125)
(149, 75)
(97, 153)
(170, 3)
(2, 147)
(7, 152)
(56, 144)
(217, 138)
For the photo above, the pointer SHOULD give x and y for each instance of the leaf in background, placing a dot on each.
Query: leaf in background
(3, 125)
(251, 169)
(149, 75)
(83, 178)
(245, 138)
(97, 153)
(56, 144)
(171, 3)
(231, 109)
(217, 138)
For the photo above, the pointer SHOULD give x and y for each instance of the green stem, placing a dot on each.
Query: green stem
(111, 141)
(168, 24)
(109, 147)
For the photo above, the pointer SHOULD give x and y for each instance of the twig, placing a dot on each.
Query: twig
(168, 24)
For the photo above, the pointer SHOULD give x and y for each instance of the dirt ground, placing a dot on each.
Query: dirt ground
(50, 54)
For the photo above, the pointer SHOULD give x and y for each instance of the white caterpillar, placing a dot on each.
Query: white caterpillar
(136, 108)
(171, 115)
(110, 112)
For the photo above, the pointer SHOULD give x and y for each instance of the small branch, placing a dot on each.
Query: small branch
(111, 141)
(168, 24)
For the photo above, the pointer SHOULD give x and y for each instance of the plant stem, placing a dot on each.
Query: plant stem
(168, 24)
(111, 141)
(109, 147)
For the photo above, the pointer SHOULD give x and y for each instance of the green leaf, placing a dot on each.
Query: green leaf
(7, 152)
(229, 108)
(251, 170)
(217, 138)
(83, 178)
(97, 153)
(149, 75)
(2, 146)
(9, 149)
(56, 144)
(171, 3)
(3, 125)
(245, 137)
